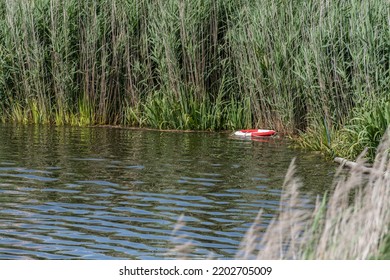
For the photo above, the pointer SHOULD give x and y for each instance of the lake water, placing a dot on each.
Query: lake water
(110, 193)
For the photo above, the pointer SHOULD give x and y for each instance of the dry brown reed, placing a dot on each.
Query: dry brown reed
(352, 223)
(182, 247)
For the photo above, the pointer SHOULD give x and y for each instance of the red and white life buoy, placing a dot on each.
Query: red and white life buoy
(254, 132)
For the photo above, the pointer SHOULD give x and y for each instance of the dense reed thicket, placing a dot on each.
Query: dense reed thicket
(196, 64)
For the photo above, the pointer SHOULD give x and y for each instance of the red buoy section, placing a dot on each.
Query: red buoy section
(255, 132)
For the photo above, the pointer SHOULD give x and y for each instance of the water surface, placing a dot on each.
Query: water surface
(109, 193)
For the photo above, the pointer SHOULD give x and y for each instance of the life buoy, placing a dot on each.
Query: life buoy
(254, 132)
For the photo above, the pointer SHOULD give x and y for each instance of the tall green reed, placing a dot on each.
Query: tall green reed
(307, 60)
(278, 64)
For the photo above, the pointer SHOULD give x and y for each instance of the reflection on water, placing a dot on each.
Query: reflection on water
(102, 193)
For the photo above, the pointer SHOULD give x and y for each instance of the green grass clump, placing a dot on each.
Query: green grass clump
(363, 132)
(321, 137)
(367, 128)
(164, 112)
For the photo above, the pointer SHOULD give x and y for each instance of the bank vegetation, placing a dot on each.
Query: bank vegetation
(198, 64)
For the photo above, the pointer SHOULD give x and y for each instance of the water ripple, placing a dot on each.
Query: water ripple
(89, 193)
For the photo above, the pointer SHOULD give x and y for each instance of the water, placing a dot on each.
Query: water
(109, 193)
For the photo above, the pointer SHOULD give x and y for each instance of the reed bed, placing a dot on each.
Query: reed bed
(196, 64)
(351, 222)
